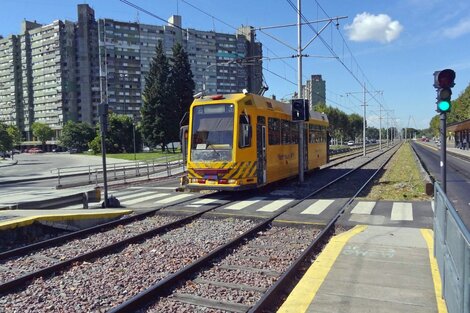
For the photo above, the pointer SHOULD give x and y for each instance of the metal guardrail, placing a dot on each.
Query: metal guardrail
(452, 251)
(119, 171)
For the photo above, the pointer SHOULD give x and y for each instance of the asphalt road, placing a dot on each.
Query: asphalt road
(457, 177)
(41, 164)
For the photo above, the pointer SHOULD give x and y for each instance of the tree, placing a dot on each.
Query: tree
(15, 134)
(77, 135)
(434, 125)
(119, 136)
(372, 133)
(157, 100)
(460, 107)
(355, 125)
(182, 86)
(42, 132)
(6, 141)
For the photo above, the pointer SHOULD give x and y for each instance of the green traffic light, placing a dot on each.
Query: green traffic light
(444, 106)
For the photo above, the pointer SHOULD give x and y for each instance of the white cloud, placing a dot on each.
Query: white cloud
(462, 28)
(369, 27)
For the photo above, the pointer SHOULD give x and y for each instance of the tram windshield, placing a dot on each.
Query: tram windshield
(212, 133)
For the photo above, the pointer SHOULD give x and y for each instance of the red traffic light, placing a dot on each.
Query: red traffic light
(444, 79)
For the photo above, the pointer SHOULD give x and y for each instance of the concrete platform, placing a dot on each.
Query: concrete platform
(372, 269)
(66, 219)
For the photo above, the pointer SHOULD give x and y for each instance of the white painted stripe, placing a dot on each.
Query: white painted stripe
(154, 188)
(317, 207)
(129, 199)
(142, 199)
(402, 212)
(131, 195)
(432, 205)
(243, 204)
(275, 205)
(201, 202)
(206, 201)
(172, 199)
(364, 207)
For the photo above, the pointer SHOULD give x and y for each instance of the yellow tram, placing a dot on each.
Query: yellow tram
(243, 141)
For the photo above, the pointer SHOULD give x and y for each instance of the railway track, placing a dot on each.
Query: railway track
(48, 240)
(194, 260)
(250, 266)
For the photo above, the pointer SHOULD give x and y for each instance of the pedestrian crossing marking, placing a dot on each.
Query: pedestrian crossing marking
(363, 207)
(402, 211)
(318, 207)
(275, 205)
(142, 199)
(172, 199)
(243, 204)
(202, 202)
(133, 195)
(154, 188)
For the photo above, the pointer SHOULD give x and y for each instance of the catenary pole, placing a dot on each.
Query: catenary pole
(299, 90)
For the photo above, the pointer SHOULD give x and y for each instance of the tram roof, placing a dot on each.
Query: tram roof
(259, 102)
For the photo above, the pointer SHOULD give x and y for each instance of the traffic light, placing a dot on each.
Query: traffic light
(443, 82)
(300, 110)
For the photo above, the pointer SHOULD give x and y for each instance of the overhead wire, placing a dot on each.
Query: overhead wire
(141, 9)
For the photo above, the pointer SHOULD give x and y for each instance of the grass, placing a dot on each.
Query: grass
(401, 180)
(143, 156)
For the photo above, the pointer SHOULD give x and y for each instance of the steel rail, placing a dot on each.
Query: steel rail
(275, 294)
(166, 285)
(90, 230)
(17, 282)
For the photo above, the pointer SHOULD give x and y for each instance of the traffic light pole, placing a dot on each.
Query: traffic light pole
(443, 82)
(443, 151)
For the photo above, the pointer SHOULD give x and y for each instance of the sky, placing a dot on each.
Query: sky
(391, 47)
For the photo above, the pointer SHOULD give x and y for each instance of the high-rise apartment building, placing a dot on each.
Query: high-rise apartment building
(10, 81)
(62, 71)
(217, 60)
(315, 90)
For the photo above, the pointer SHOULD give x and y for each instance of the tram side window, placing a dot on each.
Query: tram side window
(294, 133)
(311, 135)
(285, 132)
(245, 131)
(274, 131)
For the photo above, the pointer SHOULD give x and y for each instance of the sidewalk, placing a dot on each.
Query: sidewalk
(8, 162)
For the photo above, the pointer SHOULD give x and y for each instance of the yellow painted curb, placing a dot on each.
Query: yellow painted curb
(436, 277)
(304, 292)
(25, 221)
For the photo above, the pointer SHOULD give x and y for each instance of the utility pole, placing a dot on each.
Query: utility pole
(299, 50)
(364, 121)
(299, 90)
(103, 111)
(380, 127)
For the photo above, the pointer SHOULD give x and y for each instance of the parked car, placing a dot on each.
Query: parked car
(59, 149)
(350, 143)
(35, 150)
(4, 154)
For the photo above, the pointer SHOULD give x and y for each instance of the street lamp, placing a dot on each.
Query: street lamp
(133, 135)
